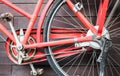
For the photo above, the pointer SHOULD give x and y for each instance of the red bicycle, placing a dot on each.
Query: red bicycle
(72, 35)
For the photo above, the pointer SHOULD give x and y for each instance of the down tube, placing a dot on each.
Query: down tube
(32, 20)
(102, 15)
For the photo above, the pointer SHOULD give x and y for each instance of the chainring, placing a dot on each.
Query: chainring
(28, 53)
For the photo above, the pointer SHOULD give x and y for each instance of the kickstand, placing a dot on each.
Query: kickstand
(102, 59)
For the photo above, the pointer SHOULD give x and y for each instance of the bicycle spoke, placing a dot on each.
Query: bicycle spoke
(83, 63)
(79, 63)
(95, 3)
(84, 29)
(112, 22)
(113, 60)
(111, 64)
(72, 18)
(73, 64)
(87, 65)
(89, 11)
(70, 61)
(117, 30)
(84, 10)
(116, 49)
(110, 68)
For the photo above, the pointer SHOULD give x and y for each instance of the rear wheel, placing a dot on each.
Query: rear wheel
(67, 60)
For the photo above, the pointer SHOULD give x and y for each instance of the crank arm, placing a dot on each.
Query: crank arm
(36, 72)
(33, 72)
(14, 33)
(8, 17)
(20, 57)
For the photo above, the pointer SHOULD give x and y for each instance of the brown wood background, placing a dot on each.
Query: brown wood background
(8, 68)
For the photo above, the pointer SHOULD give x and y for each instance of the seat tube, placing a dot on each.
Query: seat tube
(32, 20)
(82, 18)
(101, 17)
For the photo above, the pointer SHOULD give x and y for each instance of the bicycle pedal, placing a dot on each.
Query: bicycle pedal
(40, 71)
(6, 17)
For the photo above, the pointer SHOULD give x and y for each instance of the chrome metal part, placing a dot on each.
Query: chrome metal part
(23, 55)
(6, 17)
(20, 57)
(92, 44)
(78, 6)
(33, 72)
(36, 72)
(105, 33)
(19, 45)
(18, 52)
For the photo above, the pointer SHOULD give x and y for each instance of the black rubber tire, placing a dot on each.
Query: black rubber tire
(50, 58)
(53, 63)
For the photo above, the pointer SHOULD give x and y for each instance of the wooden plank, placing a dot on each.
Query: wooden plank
(20, 71)
(64, 11)
(8, 9)
(87, 11)
(25, 71)
(112, 71)
(26, 7)
(22, 22)
(2, 38)
(5, 75)
(5, 70)
(26, 1)
(4, 60)
(2, 47)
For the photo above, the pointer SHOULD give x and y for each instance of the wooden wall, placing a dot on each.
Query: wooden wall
(8, 68)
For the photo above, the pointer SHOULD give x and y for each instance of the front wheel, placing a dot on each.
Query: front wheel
(67, 60)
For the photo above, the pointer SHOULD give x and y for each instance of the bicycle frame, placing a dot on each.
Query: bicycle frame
(100, 22)
(32, 17)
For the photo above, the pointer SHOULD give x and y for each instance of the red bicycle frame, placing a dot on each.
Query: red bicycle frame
(100, 21)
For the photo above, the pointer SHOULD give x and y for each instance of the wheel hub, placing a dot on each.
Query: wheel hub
(98, 42)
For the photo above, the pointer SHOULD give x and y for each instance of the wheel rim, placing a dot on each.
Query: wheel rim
(87, 67)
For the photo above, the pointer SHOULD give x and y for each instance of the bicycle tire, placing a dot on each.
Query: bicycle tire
(54, 62)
